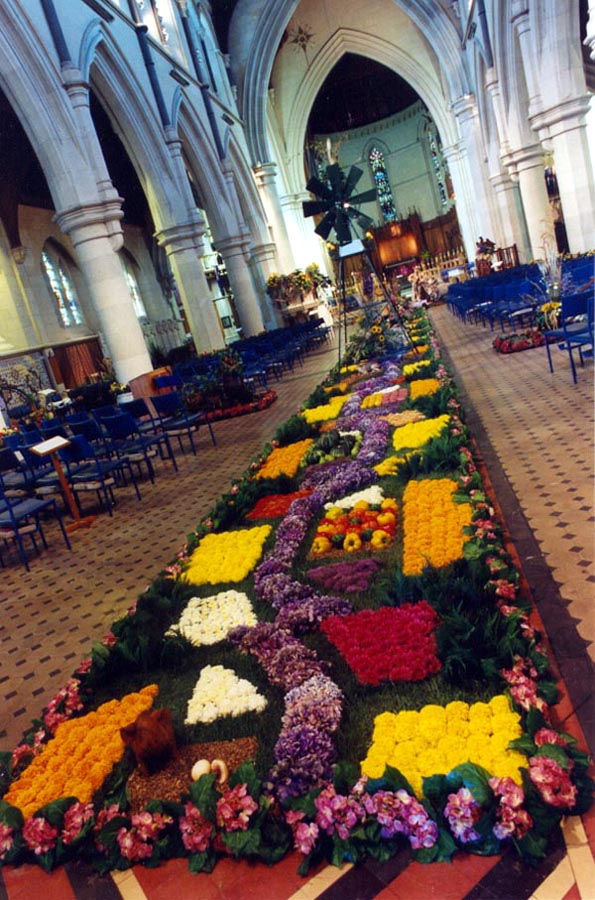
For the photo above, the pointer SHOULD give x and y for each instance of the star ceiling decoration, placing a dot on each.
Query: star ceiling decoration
(300, 36)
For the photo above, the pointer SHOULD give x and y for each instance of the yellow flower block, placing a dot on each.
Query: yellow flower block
(416, 434)
(432, 524)
(428, 742)
(412, 368)
(229, 556)
(328, 410)
(284, 460)
(371, 401)
(423, 387)
(97, 737)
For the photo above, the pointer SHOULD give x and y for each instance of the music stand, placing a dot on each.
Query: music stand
(50, 448)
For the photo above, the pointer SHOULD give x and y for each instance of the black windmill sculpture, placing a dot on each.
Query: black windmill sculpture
(338, 203)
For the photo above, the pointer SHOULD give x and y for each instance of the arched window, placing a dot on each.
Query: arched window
(131, 280)
(382, 184)
(55, 265)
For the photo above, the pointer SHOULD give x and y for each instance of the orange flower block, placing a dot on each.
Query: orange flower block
(433, 524)
(423, 387)
(284, 460)
(76, 762)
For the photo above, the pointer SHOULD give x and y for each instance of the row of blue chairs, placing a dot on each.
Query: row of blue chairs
(104, 449)
(512, 297)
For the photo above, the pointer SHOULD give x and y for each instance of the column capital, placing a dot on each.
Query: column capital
(519, 15)
(233, 245)
(93, 221)
(521, 158)
(181, 237)
(465, 106)
(263, 252)
(564, 116)
(265, 173)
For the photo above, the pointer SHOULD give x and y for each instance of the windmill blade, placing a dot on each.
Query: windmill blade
(318, 187)
(363, 220)
(325, 227)
(352, 179)
(364, 197)
(343, 227)
(313, 207)
(333, 173)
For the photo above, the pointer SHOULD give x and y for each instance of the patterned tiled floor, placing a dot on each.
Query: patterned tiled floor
(534, 431)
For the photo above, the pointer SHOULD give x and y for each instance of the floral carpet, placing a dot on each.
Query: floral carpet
(349, 605)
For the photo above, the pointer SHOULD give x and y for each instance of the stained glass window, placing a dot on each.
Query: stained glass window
(154, 19)
(382, 185)
(132, 283)
(61, 286)
(437, 161)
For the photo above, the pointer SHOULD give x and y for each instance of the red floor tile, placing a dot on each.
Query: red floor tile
(31, 883)
(230, 880)
(573, 894)
(439, 881)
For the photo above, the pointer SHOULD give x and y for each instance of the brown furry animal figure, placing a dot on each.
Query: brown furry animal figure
(152, 740)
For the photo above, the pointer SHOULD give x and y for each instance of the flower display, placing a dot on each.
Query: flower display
(284, 460)
(219, 692)
(432, 524)
(137, 842)
(423, 387)
(81, 755)
(412, 368)
(228, 556)
(332, 642)
(361, 527)
(397, 419)
(207, 620)
(416, 434)
(195, 829)
(346, 577)
(272, 506)
(388, 643)
(437, 739)
(326, 411)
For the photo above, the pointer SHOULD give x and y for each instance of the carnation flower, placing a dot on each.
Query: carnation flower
(75, 818)
(6, 840)
(235, 808)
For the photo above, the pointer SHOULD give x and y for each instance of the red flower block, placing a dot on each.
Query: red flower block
(395, 643)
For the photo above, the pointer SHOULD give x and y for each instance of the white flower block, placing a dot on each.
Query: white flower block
(208, 620)
(371, 494)
(219, 692)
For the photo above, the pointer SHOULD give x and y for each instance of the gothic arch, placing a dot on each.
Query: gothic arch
(253, 59)
(52, 130)
(395, 58)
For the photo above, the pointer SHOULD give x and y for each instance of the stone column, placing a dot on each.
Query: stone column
(183, 246)
(78, 93)
(266, 179)
(471, 227)
(513, 225)
(527, 164)
(233, 250)
(264, 259)
(563, 128)
(103, 273)
(302, 235)
(472, 154)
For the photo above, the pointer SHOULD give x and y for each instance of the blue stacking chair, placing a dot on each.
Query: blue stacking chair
(21, 518)
(174, 419)
(126, 440)
(86, 471)
(576, 329)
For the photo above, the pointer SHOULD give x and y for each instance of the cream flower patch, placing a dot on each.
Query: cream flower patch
(372, 494)
(219, 692)
(208, 620)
